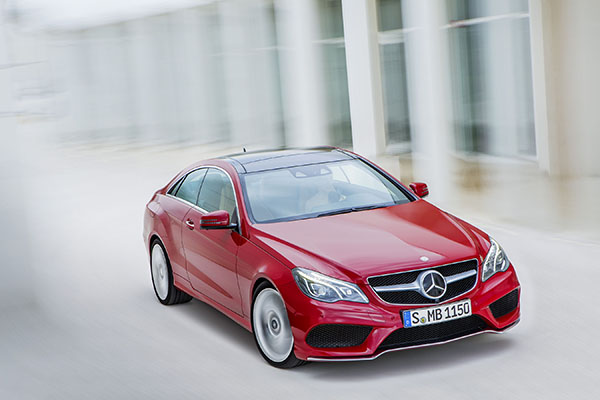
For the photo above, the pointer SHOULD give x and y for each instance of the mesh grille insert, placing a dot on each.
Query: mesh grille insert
(505, 304)
(405, 337)
(337, 335)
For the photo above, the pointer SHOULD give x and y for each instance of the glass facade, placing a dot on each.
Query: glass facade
(219, 73)
(200, 75)
(458, 10)
(393, 74)
(333, 53)
(491, 77)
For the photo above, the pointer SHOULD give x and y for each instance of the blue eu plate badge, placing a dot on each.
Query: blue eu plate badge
(406, 318)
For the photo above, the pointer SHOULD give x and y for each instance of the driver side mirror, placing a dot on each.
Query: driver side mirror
(419, 188)
(216, 220)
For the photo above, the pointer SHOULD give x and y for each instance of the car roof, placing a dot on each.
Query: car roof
(284, 158)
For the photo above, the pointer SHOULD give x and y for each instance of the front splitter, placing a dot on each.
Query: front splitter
(373, 357)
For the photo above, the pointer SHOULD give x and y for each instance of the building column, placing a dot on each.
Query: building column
(539, 31)
(301, 73)
(429, 93)
(364, 77)
(566, 62)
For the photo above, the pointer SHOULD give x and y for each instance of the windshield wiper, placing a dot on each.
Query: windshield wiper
(352, 209)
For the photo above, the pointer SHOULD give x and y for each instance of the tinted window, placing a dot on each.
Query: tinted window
(175, 187)
(217, 193)
(188, 190)
(312, 190)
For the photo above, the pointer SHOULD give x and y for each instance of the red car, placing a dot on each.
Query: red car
(324, 256)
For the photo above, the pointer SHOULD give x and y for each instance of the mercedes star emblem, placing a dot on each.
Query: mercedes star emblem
(433, 284)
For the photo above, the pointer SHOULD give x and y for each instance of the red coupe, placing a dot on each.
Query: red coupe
(324, 256)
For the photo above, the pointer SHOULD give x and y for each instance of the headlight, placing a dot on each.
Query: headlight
(495, 261)
(323, 288)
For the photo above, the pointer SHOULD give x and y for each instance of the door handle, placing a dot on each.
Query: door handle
(190, 224)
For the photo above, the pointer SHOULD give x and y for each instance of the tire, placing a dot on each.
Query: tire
(162, 277)
(271, 328)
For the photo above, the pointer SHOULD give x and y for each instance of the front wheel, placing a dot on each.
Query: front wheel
(271, 327)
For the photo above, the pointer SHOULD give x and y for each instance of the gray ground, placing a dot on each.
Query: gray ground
(95, 329)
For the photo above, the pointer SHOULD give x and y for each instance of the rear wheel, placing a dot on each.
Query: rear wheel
(162, 277)
(271, 327)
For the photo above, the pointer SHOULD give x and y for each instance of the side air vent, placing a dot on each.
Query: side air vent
(337, 335)
(505, 304)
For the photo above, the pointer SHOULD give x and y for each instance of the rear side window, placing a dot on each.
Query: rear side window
(189, 188)
(217, 193)
(175, 187)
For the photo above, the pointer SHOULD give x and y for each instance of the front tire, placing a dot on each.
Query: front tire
(271, 328)
(162, 277)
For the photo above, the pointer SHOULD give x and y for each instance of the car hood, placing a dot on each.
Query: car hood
(365, 243)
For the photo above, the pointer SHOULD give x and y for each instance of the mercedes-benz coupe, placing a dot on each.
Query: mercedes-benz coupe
(324, 256)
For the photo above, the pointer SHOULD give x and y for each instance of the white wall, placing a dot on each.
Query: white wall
(571, 63)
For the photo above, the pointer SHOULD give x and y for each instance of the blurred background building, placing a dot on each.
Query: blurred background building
(447, 87)
(470, 77)
(364, 73)
(462, 93)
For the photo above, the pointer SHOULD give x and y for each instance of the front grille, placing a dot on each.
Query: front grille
(505, 304)
(453, 289)
(405, 337)
(337, 335)
(412, 297)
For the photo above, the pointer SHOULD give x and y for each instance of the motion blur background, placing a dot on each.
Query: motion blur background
(493, 103)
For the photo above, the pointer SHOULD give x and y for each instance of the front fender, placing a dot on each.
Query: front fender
(254, 265)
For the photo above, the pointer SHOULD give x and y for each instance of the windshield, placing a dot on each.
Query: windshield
(310, 191)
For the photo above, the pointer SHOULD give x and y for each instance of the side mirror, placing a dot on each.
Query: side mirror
(419, 188)
(216, 220)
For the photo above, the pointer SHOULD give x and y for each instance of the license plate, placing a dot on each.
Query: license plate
(434, 315)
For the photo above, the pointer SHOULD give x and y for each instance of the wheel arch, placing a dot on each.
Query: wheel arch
(154, 236)
(258, 282)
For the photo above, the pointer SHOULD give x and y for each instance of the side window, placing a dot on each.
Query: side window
(175, 187)
(188, 190)
(217, 193)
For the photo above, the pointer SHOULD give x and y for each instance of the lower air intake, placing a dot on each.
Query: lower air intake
(505, 304)
(337, 335)
(419, 335)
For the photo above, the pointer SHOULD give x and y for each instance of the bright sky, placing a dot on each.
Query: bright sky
(82, 13)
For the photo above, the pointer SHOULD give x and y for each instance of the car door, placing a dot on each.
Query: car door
(180, 198)
(211, 255)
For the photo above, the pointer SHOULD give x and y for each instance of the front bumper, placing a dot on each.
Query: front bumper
(385, 319)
